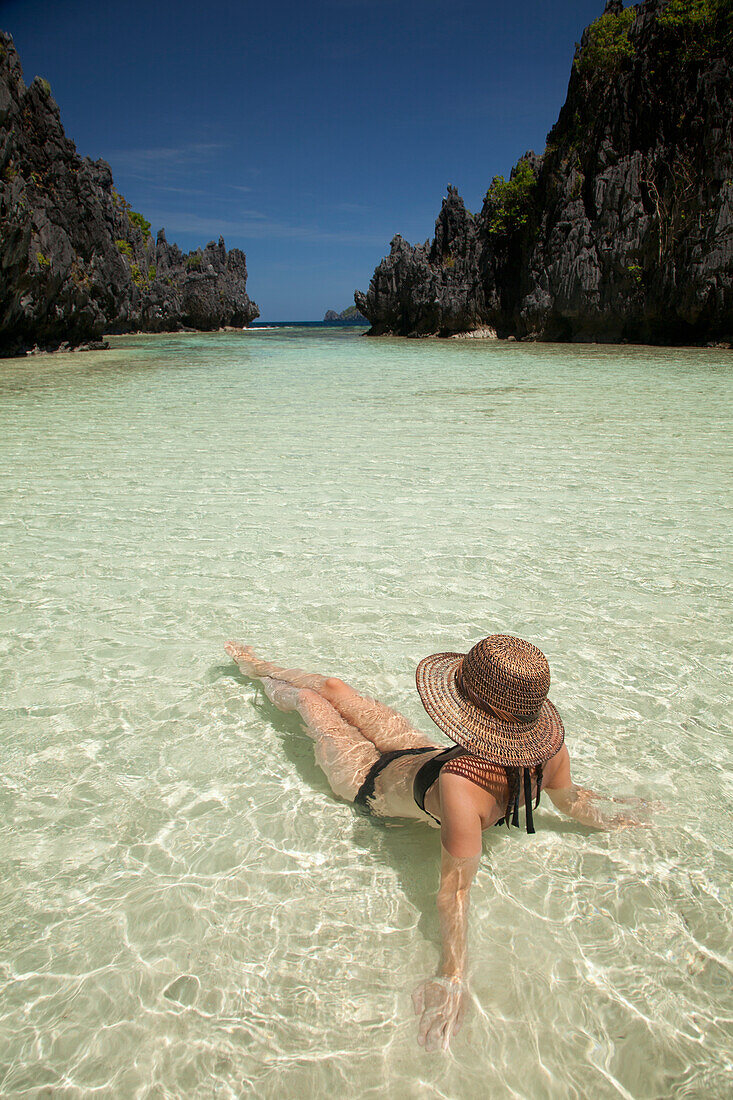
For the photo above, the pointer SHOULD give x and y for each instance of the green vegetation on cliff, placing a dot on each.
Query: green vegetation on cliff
(698, 29)
(139, 222)
(607, 48)
(508, 203)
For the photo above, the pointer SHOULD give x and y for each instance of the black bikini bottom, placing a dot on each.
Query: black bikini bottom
(366, 790)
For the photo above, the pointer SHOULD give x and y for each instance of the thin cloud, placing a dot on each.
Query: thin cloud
(147, 162)
(449, 5)
(360, 3)
(178, 190)
(257, 226)
(351, 208)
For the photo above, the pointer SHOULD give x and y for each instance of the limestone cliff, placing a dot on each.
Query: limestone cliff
(75, 259)
(622, 229)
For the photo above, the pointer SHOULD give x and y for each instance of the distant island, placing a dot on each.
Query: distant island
(349, 316)
(622, 230)
(77, 261)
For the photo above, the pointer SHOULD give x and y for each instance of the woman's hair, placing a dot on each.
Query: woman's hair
(514, 777)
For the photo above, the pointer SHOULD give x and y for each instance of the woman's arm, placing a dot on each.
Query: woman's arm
(441, 1001)
(582, 804)
(456, 876)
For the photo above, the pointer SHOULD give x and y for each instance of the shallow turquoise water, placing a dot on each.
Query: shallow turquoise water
(185, 909)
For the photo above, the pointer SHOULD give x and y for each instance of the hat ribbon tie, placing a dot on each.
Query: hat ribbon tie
(495, 712)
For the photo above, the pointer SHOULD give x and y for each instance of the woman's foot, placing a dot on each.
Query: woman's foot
(244, 657)
(257, 669)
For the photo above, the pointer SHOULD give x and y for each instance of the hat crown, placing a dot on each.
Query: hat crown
(507, 673)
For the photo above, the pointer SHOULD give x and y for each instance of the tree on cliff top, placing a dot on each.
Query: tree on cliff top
(508, 203)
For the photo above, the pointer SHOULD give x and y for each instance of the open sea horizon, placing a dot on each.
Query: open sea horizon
(187, 909)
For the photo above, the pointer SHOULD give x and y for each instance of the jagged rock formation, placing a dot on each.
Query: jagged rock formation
(348, 316)
(622, 229)
(75, 260)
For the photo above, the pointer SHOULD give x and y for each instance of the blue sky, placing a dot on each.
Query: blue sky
(307, 134)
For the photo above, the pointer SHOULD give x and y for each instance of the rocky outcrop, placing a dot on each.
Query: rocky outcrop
(348, 316)
(75, 260)
(622, 229)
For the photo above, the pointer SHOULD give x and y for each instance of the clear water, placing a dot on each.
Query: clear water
(186, 910)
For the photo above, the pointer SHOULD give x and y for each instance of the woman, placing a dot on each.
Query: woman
(492, 702)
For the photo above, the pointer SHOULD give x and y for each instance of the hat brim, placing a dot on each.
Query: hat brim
(508, 743)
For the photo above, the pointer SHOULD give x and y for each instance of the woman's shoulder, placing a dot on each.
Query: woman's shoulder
(480, 787)
(556, 772)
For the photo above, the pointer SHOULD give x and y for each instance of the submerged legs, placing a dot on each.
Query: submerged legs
(350, 730)
(387, 729)
(343, 754)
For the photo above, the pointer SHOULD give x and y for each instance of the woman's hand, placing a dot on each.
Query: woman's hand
(441, 1005)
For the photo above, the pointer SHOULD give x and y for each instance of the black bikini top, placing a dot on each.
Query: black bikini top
(429, 772)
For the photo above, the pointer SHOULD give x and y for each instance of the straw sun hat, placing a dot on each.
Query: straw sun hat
(493, 700)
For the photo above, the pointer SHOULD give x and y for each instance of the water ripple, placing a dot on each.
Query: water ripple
(186, 908)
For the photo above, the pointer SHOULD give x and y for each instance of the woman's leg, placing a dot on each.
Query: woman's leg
(343, 754)
(384, 727)
(387, 728)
